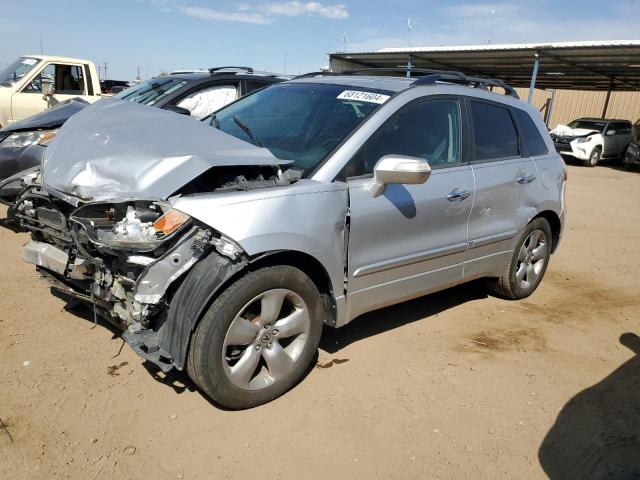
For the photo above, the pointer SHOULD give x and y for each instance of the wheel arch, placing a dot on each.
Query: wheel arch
(555, 223)
(190, 299)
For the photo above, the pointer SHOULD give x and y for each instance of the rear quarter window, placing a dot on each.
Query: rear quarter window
(529, 134)
(495, 134)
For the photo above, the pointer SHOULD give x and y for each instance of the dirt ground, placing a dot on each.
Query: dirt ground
(452, 385)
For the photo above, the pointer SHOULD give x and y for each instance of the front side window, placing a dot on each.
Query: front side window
(66, 79)
(203, 103)
(17, 71)
(151, 91)
(302, 122)
(429, 130)
(495, 134)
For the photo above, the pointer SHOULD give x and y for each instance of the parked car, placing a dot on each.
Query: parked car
(107, 86)
(221, 247)
(200, 94)
(592, 139)
(632, 155)
(34, 83)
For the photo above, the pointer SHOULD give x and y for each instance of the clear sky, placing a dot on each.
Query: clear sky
(165, 35)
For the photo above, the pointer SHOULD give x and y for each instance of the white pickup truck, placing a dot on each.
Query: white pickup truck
(34, 83)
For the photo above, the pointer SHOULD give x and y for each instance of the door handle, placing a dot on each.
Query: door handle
(524, 179)
(458, 195)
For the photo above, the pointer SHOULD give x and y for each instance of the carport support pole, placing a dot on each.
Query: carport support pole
(534, 75)
(607, 98)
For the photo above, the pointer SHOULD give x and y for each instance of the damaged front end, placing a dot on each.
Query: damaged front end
(124, 258)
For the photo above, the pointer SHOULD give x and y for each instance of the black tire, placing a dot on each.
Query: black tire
(506, 286)
(594, 157)
(205, 361)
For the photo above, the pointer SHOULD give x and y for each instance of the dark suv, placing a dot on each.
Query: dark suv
(197, 94)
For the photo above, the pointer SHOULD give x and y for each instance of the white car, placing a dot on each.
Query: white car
(592, 139)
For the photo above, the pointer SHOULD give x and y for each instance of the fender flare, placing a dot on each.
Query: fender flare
(191, 299)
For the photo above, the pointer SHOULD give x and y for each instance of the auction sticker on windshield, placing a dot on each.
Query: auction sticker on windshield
(363, 96)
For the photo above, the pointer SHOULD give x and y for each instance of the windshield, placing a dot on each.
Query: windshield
(17, 70)
(588, 125)
(151, 91)
(302, 122)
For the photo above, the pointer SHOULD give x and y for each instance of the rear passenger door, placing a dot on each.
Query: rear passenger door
(505, 185)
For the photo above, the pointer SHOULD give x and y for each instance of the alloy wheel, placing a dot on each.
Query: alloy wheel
(265, 339)
(531, 259)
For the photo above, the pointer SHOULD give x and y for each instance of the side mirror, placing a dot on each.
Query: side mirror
(401, 169)
(178, 110)
(48, 90)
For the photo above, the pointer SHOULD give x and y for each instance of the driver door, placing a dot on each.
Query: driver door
(412, 239)
(68, 82)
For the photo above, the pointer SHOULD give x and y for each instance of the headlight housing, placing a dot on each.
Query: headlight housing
(585, 139)
(133, 225)
(24, 139)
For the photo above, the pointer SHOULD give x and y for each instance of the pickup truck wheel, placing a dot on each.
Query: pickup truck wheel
(528, 263)
(594, 157)
(257, 339)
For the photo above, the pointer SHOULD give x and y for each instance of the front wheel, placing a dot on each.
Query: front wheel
(258, 338)
(594, 158)
(528, 263)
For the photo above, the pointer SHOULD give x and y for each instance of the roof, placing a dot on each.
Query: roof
(591, 65)
(392, 84)
(55, 58)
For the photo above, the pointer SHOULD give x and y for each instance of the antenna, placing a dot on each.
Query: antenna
(409, 27)
(344, 40)
(493, 10)
(284, 70)
(41, 47)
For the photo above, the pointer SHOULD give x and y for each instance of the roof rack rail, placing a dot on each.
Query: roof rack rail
(319, 73)
(215, 70)
(461, 78)
(428, 77)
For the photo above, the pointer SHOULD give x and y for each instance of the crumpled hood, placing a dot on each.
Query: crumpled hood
(117, 149)
(565, 131)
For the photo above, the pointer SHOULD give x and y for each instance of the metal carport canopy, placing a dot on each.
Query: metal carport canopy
(592, 65)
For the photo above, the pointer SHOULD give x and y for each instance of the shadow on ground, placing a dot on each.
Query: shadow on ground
(380, 321)
(597, 434)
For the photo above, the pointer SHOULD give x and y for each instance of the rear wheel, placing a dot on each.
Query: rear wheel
(528, 263)
(594, 157)
(258, 338)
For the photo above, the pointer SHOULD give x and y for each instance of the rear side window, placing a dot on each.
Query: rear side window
(253, 85)
(495, 133)
(530, 134)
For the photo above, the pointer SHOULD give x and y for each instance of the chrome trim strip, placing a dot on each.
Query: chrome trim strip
(409, 259)
(482, 241)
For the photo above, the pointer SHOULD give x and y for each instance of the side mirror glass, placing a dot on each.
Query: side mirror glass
(48, 90)
(178, 110)
(398, 169)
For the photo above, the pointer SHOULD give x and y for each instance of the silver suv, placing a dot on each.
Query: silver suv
(222, 247)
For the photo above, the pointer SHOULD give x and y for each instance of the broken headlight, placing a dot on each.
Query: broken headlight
(134, 225)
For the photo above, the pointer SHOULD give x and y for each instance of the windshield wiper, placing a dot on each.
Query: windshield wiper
(247, 130)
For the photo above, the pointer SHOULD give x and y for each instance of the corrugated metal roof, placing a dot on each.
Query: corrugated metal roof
(587, 65)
